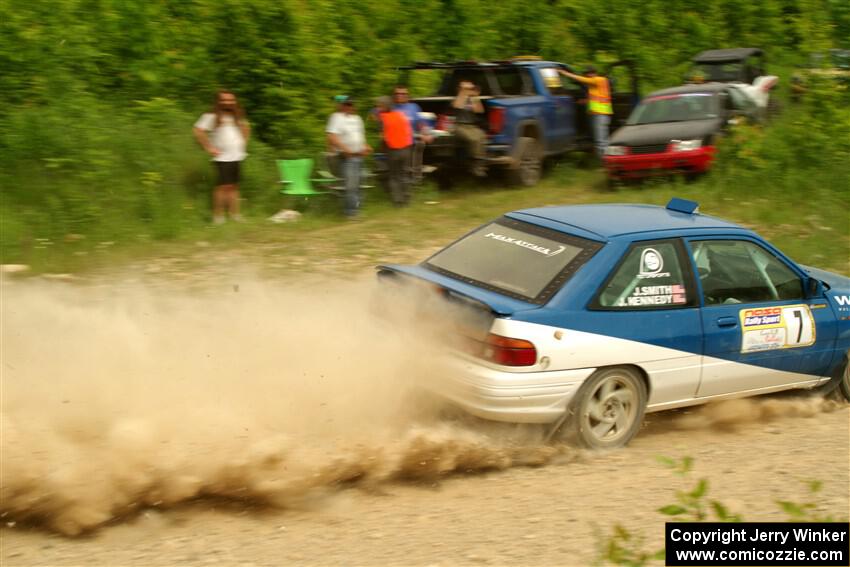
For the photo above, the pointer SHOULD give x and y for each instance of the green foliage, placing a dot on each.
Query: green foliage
(99, 95)
(807, 511)
(627, 548)
(692, 505)
(679, 467)
(74, 180)
(795, 158)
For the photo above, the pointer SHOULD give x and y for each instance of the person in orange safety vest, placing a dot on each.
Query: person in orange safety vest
(397, 135)
(599, 106)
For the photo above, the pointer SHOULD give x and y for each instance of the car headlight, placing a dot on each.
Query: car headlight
(615, 151)
(685, 145)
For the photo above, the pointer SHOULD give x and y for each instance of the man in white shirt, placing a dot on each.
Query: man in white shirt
(224, 133)
(347, 137)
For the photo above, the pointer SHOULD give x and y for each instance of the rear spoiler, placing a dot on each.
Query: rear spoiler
(453, 289)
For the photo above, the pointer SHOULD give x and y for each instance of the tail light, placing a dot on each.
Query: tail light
(496, 119)
(509, 352)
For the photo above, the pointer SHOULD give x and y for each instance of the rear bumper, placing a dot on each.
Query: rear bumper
(643, 165)
(516, 397)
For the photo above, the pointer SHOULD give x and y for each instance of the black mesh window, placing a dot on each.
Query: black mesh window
(515, 258)
(652, 275)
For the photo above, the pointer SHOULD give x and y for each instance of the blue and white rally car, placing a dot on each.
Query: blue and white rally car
(588, 316)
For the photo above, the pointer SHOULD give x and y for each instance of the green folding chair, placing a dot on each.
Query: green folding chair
(295, 176)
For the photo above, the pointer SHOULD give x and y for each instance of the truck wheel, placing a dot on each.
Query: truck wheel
(613, 184)
(444, 178)
(529, 163)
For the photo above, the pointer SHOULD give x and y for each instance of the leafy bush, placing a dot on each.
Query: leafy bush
(624, 547)
(99, 97)
(99, 173)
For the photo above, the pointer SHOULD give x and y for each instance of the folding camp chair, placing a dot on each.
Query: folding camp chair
(295, 176)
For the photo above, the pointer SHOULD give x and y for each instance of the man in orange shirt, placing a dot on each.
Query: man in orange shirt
(598, 105)
(397, 135)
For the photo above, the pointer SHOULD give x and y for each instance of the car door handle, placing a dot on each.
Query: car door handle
(727, 322)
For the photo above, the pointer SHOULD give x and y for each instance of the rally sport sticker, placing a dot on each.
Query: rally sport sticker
(770, 328)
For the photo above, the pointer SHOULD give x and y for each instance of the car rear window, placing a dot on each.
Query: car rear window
(515, 258)
(513, 81)
(721, 72)
(453, 78)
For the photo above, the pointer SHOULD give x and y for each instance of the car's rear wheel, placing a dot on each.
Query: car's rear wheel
(608, 409)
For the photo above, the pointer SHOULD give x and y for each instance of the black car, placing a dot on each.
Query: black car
(675, 130)
(739, 64)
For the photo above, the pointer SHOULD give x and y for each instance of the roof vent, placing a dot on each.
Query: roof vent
(683, 206)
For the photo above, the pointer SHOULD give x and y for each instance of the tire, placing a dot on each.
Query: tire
(838, 387)
(444, 178)
(691, 178)
(530, 163)
(607, 411)
(844, 385)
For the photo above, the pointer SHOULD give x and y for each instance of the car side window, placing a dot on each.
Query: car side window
(528, 87)
(651, 276)
(739, 271)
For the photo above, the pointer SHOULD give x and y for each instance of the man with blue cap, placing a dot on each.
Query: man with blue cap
(347, 137)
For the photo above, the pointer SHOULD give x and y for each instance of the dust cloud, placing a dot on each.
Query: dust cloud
(115, 399)
(730, 415)
(118, 399)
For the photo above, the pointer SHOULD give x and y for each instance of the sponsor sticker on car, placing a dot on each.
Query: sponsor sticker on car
(656, 295)
(526, 244)
(771, 328)
(651, 264)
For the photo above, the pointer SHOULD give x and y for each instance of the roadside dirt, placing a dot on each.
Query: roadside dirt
(262, 424)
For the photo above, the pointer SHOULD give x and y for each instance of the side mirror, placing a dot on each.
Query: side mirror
(813, 288)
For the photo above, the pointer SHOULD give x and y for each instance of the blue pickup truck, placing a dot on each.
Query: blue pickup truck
(531, 113)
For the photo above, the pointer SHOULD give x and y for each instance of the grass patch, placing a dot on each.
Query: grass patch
(812, 231)
(99, 209)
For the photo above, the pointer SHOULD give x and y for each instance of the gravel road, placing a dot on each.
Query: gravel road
(180, 462)
(555, 514)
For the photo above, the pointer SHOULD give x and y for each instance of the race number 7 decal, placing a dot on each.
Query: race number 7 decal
(799, 317)
(770, 328)
(798, 321)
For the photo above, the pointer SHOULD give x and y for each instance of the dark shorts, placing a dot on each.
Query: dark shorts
(228, 172)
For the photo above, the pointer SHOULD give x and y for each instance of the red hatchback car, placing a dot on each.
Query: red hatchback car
(674, 130)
